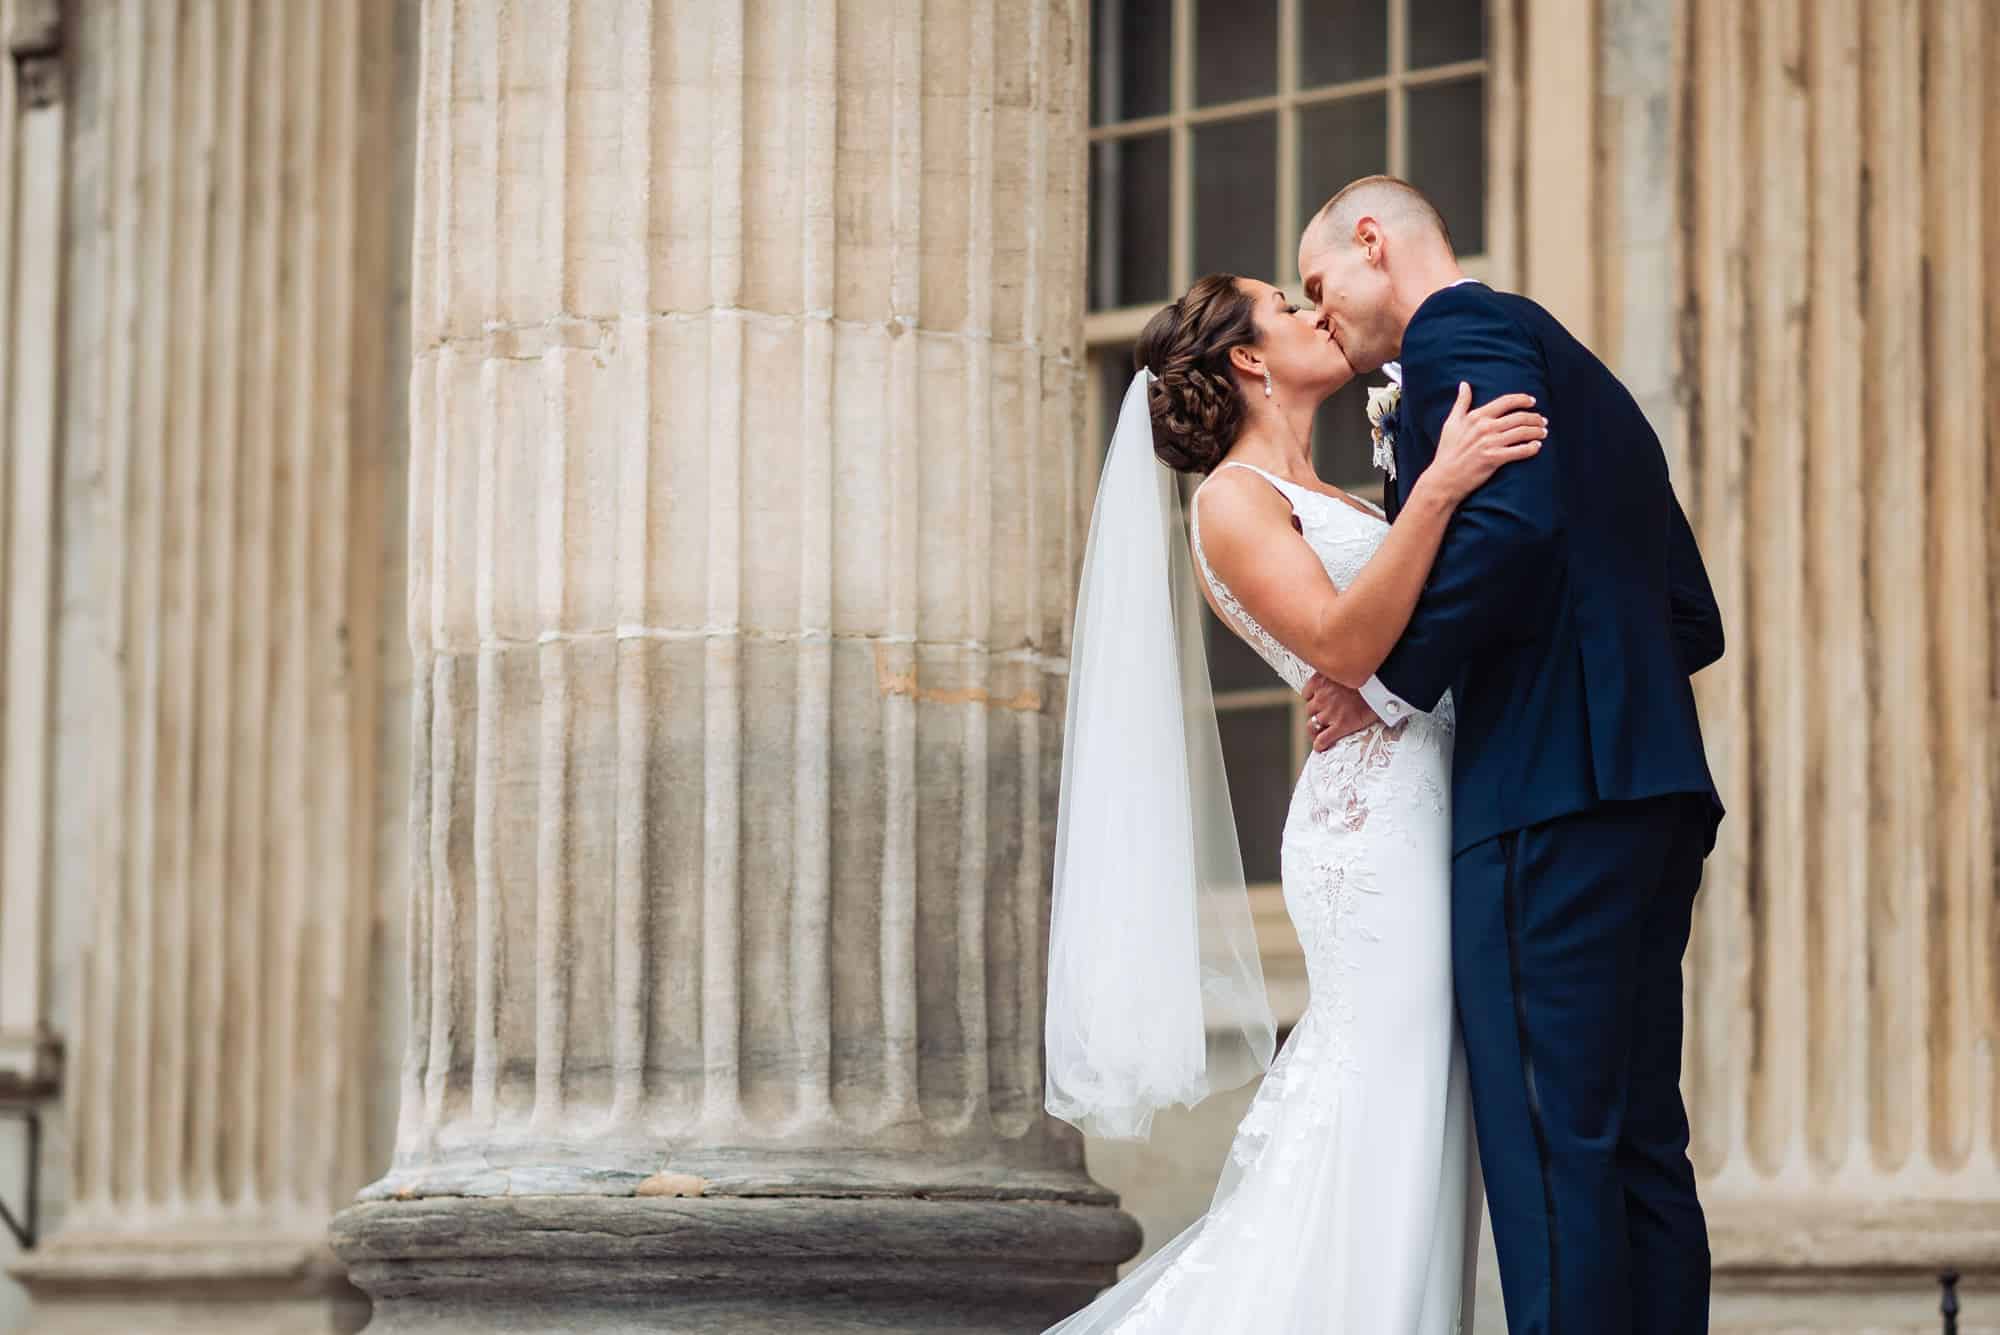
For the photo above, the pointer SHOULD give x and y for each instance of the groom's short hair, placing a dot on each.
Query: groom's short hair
(1388, 198)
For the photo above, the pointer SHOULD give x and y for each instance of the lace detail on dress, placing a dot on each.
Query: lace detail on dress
(1338, 783)
(1350, 780)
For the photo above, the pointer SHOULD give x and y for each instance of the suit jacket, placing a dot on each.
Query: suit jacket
(1568, 605)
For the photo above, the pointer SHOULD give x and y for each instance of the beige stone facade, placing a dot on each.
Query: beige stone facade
(567, 510)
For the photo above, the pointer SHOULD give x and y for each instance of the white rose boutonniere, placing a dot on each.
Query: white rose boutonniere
(1382, 404)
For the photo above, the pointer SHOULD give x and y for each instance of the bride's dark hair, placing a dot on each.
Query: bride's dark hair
(1197, 405)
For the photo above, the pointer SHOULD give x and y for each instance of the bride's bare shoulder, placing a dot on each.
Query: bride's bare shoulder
(1236, 504)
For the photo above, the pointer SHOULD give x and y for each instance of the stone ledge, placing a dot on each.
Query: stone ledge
(1814, 1243)
(759, 1230)
(220, 1312)
(97, 1260)
(543, 1170)
(213, 1282)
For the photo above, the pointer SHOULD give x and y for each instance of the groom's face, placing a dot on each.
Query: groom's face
(1352, 293)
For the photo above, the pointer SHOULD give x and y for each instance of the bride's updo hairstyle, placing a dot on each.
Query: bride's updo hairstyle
(1198, 407)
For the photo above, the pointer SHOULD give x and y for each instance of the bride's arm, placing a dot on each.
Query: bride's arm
(1248, 538)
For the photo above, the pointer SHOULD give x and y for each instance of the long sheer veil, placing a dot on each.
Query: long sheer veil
(1156, 995)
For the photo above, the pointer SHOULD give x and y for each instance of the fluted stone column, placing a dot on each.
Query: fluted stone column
(745, 406)
(1838, 262)
(229, 301)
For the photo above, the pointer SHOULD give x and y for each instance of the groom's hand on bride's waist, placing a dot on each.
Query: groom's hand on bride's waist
(1334, 711)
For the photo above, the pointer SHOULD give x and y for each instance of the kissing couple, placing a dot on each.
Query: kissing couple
(1491, 856)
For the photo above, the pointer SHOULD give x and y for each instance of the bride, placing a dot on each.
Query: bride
(1350, 1199)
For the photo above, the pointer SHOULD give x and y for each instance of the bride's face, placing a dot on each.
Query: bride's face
(1304, 359)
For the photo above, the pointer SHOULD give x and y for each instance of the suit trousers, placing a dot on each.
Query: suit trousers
(1567, 940)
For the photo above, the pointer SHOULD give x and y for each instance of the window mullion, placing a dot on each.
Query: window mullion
(1288, 139)
(1180, 200)
(1399, 67)
(1502, 143)
(1110, 60)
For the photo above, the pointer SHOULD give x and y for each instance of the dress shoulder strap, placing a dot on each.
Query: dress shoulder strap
(1285, 488)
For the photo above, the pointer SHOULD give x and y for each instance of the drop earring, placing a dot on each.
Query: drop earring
(1267, 382)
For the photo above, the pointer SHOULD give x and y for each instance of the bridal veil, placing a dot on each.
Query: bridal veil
(1155, 993)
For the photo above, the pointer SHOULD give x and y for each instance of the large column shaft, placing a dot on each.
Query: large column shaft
(1837, 257)
(230, 308)
(745, 401)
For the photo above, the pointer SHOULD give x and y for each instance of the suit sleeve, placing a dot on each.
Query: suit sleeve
(1492, 579)
(1697, 621)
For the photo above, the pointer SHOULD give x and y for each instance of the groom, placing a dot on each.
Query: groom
(1566, 611)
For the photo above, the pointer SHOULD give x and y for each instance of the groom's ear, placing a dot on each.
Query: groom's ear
(1368, 235)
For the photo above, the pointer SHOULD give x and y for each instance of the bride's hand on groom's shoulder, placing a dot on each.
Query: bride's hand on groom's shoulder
(1334, 711)
(1477, 442)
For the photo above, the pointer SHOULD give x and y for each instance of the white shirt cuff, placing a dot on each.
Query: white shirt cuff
(1388, 706)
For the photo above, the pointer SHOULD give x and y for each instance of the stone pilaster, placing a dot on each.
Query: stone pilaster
(745, 405)
(31, 225)
(1836, 256)
(228, 324)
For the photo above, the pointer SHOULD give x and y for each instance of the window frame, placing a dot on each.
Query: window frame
(1122, 324)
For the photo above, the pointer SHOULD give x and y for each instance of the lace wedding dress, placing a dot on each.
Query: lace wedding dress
(1350, 1201)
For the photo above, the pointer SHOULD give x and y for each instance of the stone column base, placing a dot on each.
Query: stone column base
(538, 1265)
(84, 1285)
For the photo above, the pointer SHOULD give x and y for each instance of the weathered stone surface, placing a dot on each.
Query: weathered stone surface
(786, 1264)
(672, 1184)
(744, 419)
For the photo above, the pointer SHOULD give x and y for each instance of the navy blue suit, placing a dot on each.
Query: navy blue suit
(1566, 610)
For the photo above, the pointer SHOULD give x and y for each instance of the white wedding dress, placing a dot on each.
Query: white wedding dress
(1350, 1202)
